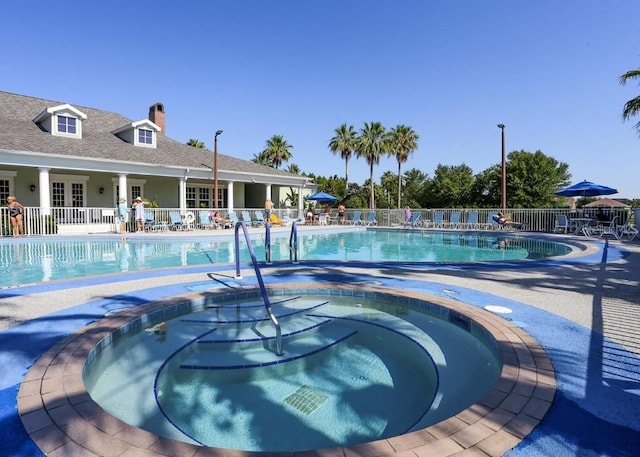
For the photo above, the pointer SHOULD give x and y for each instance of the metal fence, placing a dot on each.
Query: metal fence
(84, 221)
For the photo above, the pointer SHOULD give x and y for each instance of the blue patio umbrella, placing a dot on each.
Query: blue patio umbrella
(322, 197)
(586, 189)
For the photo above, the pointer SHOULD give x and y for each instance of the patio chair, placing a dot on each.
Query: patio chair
(414, 222)
(563, 224)
(371, 218)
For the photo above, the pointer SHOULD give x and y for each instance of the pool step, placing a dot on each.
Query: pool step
(250, 354)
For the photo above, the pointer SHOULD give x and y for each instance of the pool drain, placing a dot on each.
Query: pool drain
(305, 399)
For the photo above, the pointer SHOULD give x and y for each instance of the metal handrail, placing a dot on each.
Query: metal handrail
(263, 290)
(293, 243)
(267, 241)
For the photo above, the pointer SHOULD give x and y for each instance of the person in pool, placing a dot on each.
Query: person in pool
(15, 214)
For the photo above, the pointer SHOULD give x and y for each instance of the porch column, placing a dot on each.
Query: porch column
(268, 191)
(300, 202)
(230, 196)
(183, 194)
(122, 188)
(45, 195)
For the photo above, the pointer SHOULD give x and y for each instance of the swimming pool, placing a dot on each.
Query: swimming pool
(355, 368)
(28, 261)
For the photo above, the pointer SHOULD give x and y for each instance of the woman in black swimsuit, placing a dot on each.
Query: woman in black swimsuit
(15, 214)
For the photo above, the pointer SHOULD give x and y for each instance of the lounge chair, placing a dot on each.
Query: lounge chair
(204, 220)
(355, 220)
(151, 225)
(176, 221)
(472, 220)
(503, 223)
(259, 220)
(604, 229)
(233, 217)
(627, 229)
(275, 220)
(438, 220)
(415, 221)
(248, 220)
(371, 218)
(454, 220)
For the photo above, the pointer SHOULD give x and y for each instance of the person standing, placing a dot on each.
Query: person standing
(268, 207)
(138, 206)
(407, 214)
(15, 214)
(122, 214)
(341, 210)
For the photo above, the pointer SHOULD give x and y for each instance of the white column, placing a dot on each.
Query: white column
(230, 196)
(300, 203)
(183, 194)
(45, 195)
(122, 188)
(268, 187)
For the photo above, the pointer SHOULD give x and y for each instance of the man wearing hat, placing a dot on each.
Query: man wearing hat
(138, 206)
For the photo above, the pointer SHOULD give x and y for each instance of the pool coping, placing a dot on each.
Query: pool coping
(62, 419)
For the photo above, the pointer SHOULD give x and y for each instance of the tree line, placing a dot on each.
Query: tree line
(532, 178)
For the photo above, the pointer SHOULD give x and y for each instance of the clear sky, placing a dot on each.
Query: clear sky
(452, 70)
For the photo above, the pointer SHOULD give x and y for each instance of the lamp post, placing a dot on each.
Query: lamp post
(215, 169)
(504, 172)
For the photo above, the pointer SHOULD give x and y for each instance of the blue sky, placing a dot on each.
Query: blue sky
(452, 70)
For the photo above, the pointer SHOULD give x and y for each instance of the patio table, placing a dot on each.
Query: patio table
(580, 224)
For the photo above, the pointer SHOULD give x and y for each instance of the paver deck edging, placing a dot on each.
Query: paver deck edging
(62, 419)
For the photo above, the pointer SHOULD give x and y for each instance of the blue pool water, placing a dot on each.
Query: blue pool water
(353, 370)
(28, 261)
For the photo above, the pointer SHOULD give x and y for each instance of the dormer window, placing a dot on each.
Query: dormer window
(145, 136)
(67, 124)
(62, 120)
(141, 133)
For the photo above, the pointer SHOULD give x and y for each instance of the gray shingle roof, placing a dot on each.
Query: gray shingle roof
(18, 132)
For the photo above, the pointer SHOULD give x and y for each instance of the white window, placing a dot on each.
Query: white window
(67, 124)
(145, 136)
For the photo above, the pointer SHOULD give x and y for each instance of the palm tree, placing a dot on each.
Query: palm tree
(344, 141)
(277, 151)
(261, 159)
(295, 169)
(372, 146)
(402, 142)
(195, 143)
(632, 107)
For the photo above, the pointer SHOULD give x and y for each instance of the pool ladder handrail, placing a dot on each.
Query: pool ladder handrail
(293, 243)
(263, 290)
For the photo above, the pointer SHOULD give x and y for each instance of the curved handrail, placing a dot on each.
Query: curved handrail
(267, 241)
(263, 290)
(293, 243)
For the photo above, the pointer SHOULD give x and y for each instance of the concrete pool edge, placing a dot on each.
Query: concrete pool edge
(60, 417)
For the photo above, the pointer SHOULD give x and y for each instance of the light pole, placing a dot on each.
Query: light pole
(504, 171)
(215, 169)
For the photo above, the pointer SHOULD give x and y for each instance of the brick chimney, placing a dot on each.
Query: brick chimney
(156, 115)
